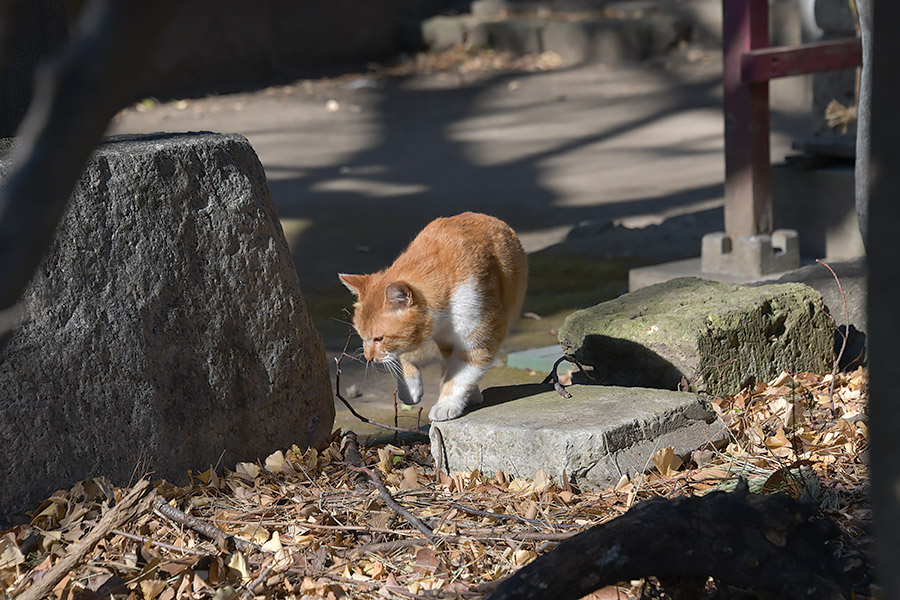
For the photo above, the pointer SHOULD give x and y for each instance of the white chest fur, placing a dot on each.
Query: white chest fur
(462, 318)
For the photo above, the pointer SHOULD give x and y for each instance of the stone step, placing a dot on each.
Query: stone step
(594, 437)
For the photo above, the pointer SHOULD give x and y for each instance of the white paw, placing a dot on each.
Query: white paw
(445, 410)
(409, 389)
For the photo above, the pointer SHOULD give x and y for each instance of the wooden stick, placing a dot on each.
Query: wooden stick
(205, 529)
(129, 507)
(389, 500)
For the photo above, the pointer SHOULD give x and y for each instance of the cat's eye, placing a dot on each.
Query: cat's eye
(378, 339)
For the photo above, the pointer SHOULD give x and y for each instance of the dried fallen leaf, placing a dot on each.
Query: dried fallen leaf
(151, 588)
(410, 479)
(274, 543)
(10, 556)
(238, 563)
(275, 462)
(666, 461)
(523, 557)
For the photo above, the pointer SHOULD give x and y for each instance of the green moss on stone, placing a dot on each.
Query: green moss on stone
(717, 336)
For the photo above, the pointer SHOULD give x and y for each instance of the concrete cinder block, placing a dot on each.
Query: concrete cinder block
(751, 256)
(594, 437)
(166, 326)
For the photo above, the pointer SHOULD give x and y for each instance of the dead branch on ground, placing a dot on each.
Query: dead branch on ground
(205, 529)
(129, 507)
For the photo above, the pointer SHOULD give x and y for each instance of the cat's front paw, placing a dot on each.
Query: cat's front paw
(409, 389)
(444, 411)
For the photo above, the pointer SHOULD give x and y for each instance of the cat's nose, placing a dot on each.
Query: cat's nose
(369, 351)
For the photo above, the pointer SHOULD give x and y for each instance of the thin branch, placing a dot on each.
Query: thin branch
(149, 540)
(205, 529)
(837, 361)
(580, 366)
(389, 500)
(248, 593)
(554, 377)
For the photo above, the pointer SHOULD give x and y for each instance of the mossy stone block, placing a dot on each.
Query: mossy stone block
(715, 336)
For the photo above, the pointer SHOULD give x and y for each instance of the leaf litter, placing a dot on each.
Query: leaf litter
(310, 527)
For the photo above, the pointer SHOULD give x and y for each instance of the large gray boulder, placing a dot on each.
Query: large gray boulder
(166, 327)
(717, 336)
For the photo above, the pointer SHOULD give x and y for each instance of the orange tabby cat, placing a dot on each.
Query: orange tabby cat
(459, 284)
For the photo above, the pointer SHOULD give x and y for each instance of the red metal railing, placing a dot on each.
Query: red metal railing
(749, 63)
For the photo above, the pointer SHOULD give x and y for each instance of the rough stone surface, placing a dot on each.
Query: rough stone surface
(166, 327)
(595, 436)
(718, 336)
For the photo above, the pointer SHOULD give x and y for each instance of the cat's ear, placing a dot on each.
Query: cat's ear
(354, 283)
(398, 295)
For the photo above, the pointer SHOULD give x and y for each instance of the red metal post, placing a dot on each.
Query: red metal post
(748, 204)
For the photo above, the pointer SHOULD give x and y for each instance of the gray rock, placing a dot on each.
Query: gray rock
(718, 336)
(167, 328)
(441, 32)
(596, 436)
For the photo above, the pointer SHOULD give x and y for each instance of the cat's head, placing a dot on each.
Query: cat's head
(390, 317)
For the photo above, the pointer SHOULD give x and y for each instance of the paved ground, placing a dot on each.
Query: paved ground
(355, 171)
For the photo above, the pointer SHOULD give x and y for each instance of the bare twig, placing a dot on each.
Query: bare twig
(149, 540)
(248, 593)
(440, 462)
(580, 366)
(130, 506)
(205, 529)
(837, 361)
(554, 377)
(389, 500)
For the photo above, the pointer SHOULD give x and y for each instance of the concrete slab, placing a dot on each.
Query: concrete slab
(535, 359)
(642, 277)
(594, 437)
